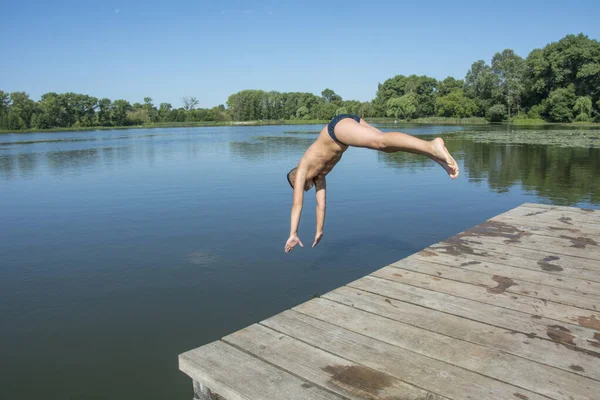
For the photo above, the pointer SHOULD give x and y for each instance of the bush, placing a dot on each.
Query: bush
(583, 117)
(536, 112)
(560, 104)
(496, 113)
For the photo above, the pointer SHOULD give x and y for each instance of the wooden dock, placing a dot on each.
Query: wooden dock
(509, 309)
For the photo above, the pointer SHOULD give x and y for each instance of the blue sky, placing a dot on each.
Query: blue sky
(169, 49)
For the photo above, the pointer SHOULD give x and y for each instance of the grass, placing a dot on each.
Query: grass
(527, 121)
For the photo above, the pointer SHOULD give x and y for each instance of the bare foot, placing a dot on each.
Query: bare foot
(442, 156)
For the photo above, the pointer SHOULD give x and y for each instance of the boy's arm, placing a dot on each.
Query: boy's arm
(320, 187)
(296, 213)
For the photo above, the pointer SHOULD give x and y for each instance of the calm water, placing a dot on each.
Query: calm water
(122, 249)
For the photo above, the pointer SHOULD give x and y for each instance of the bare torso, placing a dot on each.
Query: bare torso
(320, 158)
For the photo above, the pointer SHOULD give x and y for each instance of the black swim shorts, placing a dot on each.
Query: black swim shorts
(335, 120)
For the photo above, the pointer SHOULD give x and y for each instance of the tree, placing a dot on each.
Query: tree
(163, 111)
(583, 109)
(455, 104)
(325, 111)
(366, 109)
(22, 107)
(536, 77)
(449, 85)
(510, 69)
(119, 112)
(481, 84)
(573, 60)
(151, 111)
(496, 113)
(560, 104)
(423, 89)
(189, 103)
(302, 112)
(103, 115)
(405, 106)
(4, 104)
(351, 106)
(329, 96)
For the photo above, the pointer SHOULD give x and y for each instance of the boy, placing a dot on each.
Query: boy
(350, 130)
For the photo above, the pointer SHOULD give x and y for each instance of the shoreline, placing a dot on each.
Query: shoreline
(386, 121)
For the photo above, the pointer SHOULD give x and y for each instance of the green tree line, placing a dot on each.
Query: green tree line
(558, 83)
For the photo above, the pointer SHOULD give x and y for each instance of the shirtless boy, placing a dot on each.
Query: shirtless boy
(350, 130)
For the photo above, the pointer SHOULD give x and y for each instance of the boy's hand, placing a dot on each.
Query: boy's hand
(318, 238)
(292, 242)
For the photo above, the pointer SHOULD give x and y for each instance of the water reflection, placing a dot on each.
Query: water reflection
(28, 163)
(15, 164)
(271, 147)
(564, 175)
(64, 161)
(8, 166)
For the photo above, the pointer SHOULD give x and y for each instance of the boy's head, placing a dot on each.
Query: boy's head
(291, 177)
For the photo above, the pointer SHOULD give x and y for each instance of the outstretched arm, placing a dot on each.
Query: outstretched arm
(320, 187)
(296, 213)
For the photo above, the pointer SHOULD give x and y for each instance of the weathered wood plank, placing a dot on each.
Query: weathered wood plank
(547, 272)
(427, 373)
(532, 258)
(238, 376)
(501, 283)
(520, 344)
(500, 233)
(550, 228)
(582, 211)
(574, 337)
(558, 312)
(564, 217)
(514, 228)
(517, 371)
(346, 378)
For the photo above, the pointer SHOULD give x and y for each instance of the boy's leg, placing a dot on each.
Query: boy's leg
(362, 134)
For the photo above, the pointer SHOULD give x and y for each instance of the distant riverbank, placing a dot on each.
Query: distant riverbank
(383, 121)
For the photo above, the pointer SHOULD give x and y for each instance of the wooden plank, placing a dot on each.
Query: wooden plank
(551, 228)
(497, 284)
(581, 286)
(560, 217)
(520, 344)
(514, 370)
(346, 378)
(239, 376)
(582, 211)
(574, 337)
(490, 233)
(554, 273)
(500, 225)
(427, 373)
(532, 258)
(558, 312)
